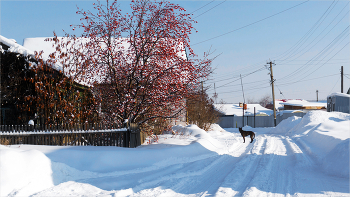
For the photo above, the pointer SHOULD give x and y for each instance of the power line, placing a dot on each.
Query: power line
(268, 86)
(246, 90)
(321, 53)
(334, 86)
(301, 80)
(243, 77)
(313, 64)
(209, 9)
(305, 72)
(280, 90)
(250, 24)
(202, 7)
(294, 54)
(332, 56)
(312, 60)
(251, 67)
(290, 50)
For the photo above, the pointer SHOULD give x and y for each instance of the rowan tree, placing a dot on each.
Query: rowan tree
(136, 62)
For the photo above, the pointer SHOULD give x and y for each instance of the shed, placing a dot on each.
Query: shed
(338, 102)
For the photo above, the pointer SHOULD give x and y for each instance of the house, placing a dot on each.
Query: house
(338, 102)
(15, 63)
(20, 99)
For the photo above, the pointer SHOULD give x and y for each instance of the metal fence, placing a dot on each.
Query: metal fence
(71, 135)
(254, 121)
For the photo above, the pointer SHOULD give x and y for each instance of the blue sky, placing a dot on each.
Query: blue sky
(307, 40)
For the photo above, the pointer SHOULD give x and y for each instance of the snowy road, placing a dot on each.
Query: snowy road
(300, 157)
(272, 165)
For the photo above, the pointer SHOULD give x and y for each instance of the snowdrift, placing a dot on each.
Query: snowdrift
(23, 173)
(325, 136)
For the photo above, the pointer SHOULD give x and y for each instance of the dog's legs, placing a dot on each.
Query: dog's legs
(251, 137)
(243, 139)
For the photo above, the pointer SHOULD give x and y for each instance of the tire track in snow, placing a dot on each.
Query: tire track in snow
(270, 171)
(181, 176)
(238, 179)
(214, 176)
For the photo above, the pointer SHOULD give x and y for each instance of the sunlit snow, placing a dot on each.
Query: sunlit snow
(306, 156)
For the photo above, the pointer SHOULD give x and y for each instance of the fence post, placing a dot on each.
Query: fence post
(126, 138)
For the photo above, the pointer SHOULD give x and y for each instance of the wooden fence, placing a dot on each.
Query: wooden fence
(70, 135)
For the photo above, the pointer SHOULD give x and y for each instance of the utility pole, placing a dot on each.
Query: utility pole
(342, 79)
(317, 95)
(243, 101)
(273, 93)
(242, 88)
(215, 95)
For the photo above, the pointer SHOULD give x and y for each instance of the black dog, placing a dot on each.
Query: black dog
(246, 133)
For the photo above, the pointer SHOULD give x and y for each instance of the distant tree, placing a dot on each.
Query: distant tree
(251, 101)
(265, 100)
(136, 62)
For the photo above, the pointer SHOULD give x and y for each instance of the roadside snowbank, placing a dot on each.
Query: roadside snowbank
(28, 169)
(325, 136)
(286, 125)
(23, 172)
(202, 137)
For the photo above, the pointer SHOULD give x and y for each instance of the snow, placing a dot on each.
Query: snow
(304, 103)
(24, 172)
(339, 94)
(39, 44)
(16, 48)
(31, 122)
(47, 47)
(306, 156)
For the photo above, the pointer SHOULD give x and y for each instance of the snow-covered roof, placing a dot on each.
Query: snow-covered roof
(304, 103)
(47, 47)
(338, 94)
(235, 109)
(39, 44)
(16, 48)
